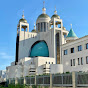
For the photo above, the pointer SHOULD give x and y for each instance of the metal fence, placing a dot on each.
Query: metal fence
(12, 81)
(20, 80)
(82, 79)
(62, 80)
(30, 80)
(43, 80)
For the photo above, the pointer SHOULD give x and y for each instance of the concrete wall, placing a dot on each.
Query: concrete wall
(14, 71)
(56, 68)
(77, 54)
(27, 64)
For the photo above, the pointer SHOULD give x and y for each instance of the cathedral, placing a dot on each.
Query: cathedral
(48, 49)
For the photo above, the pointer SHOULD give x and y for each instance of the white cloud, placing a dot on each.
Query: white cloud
(5, 56)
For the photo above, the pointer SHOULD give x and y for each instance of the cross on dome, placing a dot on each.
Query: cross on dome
(71, 25)
(43, 4)
(34, 25)
(23, 15)
(44, 9)
(55, 12)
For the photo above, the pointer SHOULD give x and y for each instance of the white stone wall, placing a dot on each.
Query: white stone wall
(25, 45)
(77, 54)
(56, 68)
(26, 66)
(27, 39)
(42, 61)
(14, 71)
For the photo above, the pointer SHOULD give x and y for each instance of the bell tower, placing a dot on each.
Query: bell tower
(22, 26)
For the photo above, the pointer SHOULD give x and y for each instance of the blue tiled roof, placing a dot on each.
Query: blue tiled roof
(71, 33)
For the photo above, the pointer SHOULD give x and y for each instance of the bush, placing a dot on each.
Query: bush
(14, 86)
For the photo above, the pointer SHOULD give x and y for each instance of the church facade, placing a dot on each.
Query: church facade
(48, 48)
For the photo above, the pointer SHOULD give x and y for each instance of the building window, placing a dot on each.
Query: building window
(80, 48)
(44, 26)
(73, 62)
(38, 27)
(72, 50)
(81, 60)
(87, 60)
(87, 46)
(78, 61)
(65, 52)
(64, 36)
(41, 27)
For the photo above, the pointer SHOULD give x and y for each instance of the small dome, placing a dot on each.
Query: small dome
(40, 49)
(33, 30)
(23, 20)
(43, 16)
(56, 16)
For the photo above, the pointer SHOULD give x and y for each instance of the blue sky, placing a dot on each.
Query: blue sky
(71, 11)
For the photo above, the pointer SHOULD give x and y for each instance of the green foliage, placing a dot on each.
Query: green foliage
(39, 86)
(45, 86)
(34, 86)
(44, 74)
(22, 86)
(1, 87)
(30, 76)
(67, 72)
(14, 86)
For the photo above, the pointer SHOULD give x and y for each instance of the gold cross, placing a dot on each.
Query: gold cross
(71, 25)
(23, 14)
(43, 3)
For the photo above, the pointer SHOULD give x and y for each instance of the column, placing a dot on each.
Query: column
(51, 81)
(35, 80)
(54, 34)
(28, 28)
(74, 79)
(24, 80)
(20, 26)
(46, 26)
(43, 26)
(40, 27)
(16, 81)
(9, 81)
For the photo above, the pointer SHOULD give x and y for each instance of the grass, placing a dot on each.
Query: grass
(14, 86)
(22, 86)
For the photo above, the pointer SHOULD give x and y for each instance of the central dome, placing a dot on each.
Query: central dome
(40, 49)
(43, 16)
